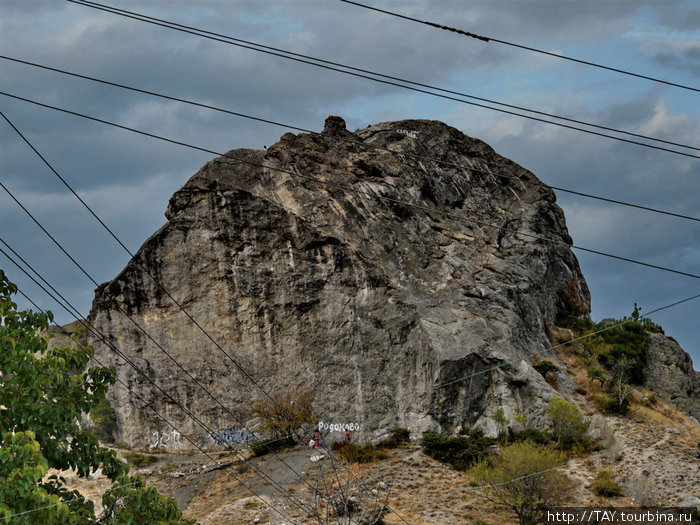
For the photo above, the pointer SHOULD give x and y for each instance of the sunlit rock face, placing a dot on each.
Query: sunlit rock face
(322, 275)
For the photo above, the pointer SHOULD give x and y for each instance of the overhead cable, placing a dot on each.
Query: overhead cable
(342, 139)
(527, 48)
(571, 341)
(395, 80)
(75, 313)
(355, 190)
(246, 374)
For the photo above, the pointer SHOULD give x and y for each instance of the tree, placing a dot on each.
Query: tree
(521, 478)
(569, 424)
(283, 418)
(43, 395)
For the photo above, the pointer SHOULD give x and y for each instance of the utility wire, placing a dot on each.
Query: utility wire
(267, 445)
(97, 333)
(527, 48)
(342, 139)
(38, 509)
(347, 188)
(604, 329)
(320, 63)
(137, 396)
(79, 316)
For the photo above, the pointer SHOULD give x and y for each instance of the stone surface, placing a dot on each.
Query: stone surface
(669, 371)
(306, 278)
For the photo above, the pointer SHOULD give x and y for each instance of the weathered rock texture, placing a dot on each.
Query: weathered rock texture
(669, 371)
(320, 275)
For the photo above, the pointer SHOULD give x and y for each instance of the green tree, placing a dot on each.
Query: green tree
(521, 478)
(43, 395)
(283, 418)
(569, 424)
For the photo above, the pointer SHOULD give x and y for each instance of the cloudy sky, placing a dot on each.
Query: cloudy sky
(128, 178)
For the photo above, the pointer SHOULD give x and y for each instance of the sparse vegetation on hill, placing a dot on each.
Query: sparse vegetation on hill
(459, 451)
(513, 482)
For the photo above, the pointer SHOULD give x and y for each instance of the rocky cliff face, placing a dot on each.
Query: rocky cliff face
(307, 277)
(669, 371)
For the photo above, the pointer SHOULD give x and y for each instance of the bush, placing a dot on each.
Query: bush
(604, 485)
(104, 420)
(459, 451)
(140, 460)
(360, 454)
(265, 446)
(524, 479)
(292, 410)
(544, 367)
(570, 427)
(610, 404)
(398, 437)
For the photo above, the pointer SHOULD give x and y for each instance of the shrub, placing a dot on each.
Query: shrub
(104, 420)
(544, 367)
(570, 427)
(604, 485)
(265, 446)
(140, 460)
(398, 437)
(459, 451)
(524, 479)
(361, 454)
(610, 404)
(292, 409)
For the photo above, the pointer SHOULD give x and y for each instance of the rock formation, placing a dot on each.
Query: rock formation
(669, 371)
(307, 265)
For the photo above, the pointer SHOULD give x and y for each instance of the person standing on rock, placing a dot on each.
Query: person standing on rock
(317, 438)
(347, 435)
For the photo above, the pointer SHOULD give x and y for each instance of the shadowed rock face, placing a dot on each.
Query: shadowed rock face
(306, 278)
(670, 371)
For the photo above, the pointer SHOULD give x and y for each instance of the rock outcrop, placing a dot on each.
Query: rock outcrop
(669, 371)
(309, 266)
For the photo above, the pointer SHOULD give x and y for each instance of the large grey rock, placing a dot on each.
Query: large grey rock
(371, 302)
(670, 372)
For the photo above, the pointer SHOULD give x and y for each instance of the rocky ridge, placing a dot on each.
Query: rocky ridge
(306, 265)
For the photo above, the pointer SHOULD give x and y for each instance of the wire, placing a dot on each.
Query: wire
(263, 49)
(98, 334)
(549, 53)
(90, 327)
(610, 327)
(8, 516)
(357, 191)
(338, 138)
(137, 396)
(267, 445)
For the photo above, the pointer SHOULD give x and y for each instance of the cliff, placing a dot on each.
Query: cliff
(320, 275)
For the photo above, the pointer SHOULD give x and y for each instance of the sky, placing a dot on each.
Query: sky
(128, 178)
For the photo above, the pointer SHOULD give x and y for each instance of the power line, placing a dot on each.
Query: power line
(137, 396)
(343, 139)
(106, 341)
(527, 48)
(156, 281)
(357, 191)
(320, 63)
(604, 329)
(74, 312)
(64, 502)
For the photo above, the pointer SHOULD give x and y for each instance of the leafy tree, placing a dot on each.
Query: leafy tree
(521, 478)
(569, 424)
(293, 409)
(43, 395)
